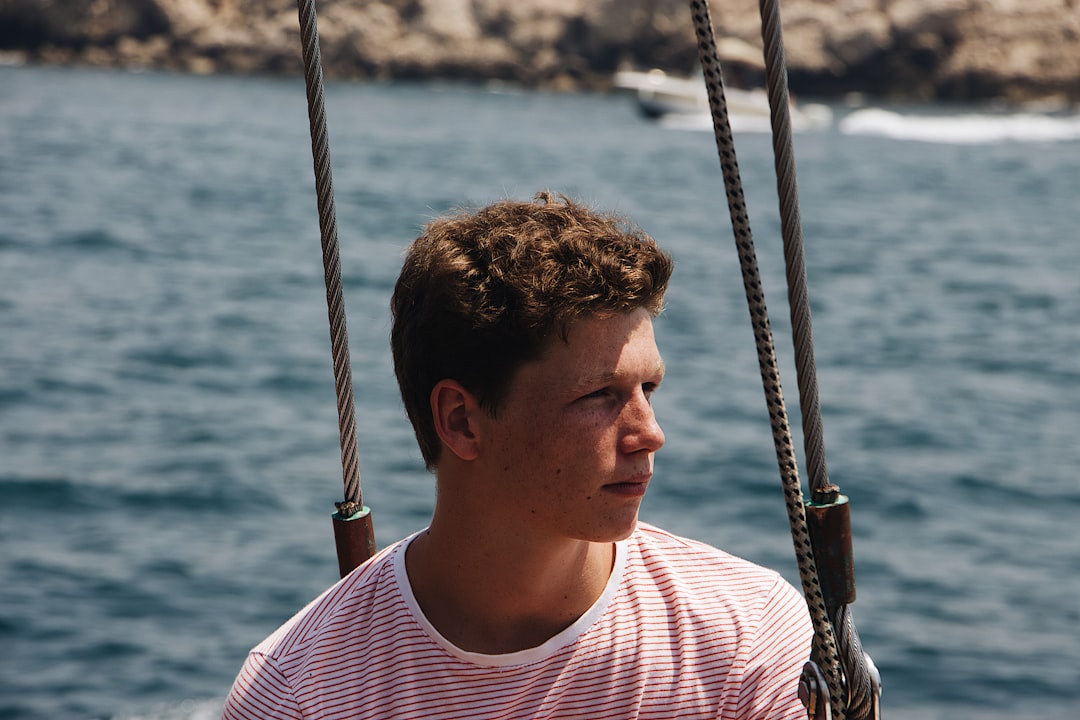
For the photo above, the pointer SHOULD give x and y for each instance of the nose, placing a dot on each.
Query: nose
(643, 432)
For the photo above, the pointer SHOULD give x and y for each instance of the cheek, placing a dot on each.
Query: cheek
(551, 448)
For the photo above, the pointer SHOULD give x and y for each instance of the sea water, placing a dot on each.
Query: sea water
(168, 436)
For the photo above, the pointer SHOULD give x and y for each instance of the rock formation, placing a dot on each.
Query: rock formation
(1020, 50)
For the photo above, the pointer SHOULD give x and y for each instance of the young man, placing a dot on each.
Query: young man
(523, 346)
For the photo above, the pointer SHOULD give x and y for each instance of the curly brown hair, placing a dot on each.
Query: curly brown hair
(480, 293)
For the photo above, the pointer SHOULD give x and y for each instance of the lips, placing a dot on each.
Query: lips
(629, 488)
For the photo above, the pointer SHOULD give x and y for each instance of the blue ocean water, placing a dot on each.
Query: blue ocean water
(168, 437)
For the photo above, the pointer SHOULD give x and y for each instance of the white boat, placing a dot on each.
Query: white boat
(660, 94)
(684, 102)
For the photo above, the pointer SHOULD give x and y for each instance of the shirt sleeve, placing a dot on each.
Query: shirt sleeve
(261, 692)
(770, 687)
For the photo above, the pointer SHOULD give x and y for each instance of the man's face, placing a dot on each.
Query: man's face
(572, 444)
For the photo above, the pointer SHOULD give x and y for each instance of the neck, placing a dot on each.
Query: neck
(497, 590)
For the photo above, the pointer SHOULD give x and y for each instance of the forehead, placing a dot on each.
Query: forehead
(596, 346)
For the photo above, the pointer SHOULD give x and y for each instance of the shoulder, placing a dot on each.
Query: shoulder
(663, 551)
(689, 571)
(730, 610)
(346, 605)
(298, 671)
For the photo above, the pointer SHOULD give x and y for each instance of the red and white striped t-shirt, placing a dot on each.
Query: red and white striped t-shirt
(682, 630)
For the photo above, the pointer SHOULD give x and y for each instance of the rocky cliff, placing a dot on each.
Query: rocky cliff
(1021, 50)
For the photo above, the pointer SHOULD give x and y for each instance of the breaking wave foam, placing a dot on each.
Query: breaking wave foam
(966, 129)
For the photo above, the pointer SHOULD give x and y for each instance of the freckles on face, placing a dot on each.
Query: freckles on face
(574, 438)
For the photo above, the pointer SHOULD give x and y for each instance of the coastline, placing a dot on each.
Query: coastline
(901, 50)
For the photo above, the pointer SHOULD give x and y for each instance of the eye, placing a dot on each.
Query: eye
(601, 393)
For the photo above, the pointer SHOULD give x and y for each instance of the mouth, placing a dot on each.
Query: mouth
(629, 488)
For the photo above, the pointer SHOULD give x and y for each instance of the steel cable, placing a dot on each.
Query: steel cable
(335, 300)
(860, 701)
(791, 229)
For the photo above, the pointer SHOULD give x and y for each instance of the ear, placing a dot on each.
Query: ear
(454, 410)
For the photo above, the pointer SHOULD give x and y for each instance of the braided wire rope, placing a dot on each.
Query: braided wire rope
(335, 298)
(825, 648)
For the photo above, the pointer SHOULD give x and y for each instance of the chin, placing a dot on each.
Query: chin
(613, 532)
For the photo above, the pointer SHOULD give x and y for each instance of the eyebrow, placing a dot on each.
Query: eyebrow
(605, 378)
